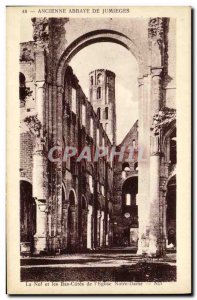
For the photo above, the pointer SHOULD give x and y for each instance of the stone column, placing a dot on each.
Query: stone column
(110, 232)
(154, 233)
(89, 227)
(65, 225)
(84, 216)
(156, 102)
(98, 227)
(163, 209)
(101, 228)
(107, 231)
(143, 160)
(59, 163)
(73, 228)
(154, 197)
(41, 219)
(40, 100)
(39, 171)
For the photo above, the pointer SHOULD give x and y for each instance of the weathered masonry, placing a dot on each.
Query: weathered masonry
(71, 206)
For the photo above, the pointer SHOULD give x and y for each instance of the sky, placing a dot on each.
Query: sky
(113, 57)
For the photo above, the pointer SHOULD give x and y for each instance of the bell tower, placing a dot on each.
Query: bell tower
(102, 98)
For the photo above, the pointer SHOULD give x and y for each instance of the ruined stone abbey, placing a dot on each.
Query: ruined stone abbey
(74, 206)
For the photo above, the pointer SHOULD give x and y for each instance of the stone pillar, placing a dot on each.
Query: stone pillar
(41, 227)
(39, 193)
(59, 164)
(107, 231)
(98, 227)
(110, 232)
(39, 171)
(40, 101)
(65, 225)
(73, 231)
(84, 216)
(143, 161)
(154, 221)
(156, 102)
(102, 229)
(154, 247)
(163, 209)
(165, 223)
(89, 227)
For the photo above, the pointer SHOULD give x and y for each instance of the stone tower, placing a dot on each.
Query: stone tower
(102, 98)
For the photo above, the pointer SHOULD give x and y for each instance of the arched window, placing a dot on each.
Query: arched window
(91, 184)
(125, 166)
(99, 76)
(173, 148)
(107, 96)
(74, 100)
(83, 115)
(129, 191)
(106, 113)
(98, 92)
(171, 213)
(99, 113)
(22, 79)
(22, 88)
(83, 203)
(91, 80)
(83, 177)
(125, 169)
(136, 166)
(128, 199)
(91, 127)
(71, 221)
(27, 214)
(102, 190)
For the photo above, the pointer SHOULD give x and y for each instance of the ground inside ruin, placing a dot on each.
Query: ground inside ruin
(104, 266)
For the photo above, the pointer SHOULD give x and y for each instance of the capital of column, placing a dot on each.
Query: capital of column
(39, 150)
(65, 206)
(72, 209)
(140, 81)
(40, 84)
(156, 71)
(60, 90)
(40, 32)
(155, 153)
(41, 203)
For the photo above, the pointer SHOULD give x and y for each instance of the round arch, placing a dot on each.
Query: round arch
(98, 36)
(63, 194)
(170, 178)
(168, 147)
(171, 212)
(84, 204)
(72, 221)
(134, 176)
(169, 130)
(27, 216)
(72, 195)
(127, 182)
(25, 179)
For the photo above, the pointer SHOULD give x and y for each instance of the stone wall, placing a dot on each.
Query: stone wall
(44, 62)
